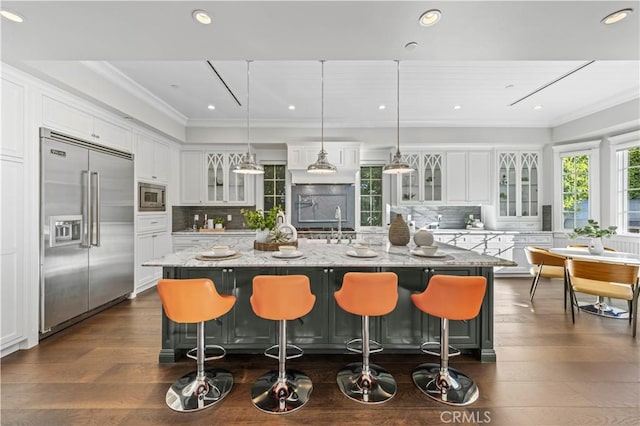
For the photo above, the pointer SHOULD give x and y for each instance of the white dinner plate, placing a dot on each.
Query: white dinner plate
(213, 255)
(353, 253)
(421, 254)
(293, 255)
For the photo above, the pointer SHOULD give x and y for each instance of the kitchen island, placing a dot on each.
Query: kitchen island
(326, 328)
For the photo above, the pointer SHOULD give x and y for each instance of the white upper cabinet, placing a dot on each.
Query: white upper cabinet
(344, 155)
(208, 178)
(152, 159)
(68, 119)
(518, 184)
(468, 177)
(424, 185)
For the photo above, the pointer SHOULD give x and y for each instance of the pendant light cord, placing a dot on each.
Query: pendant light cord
(322, 107)
(248, 97)
(397, 107)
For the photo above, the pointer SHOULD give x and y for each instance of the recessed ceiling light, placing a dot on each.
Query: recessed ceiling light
(12, 16)
(292, 107)
(212, 107)
(411, 46)
(457, 107)
(537, 107)
(381, 107)
(615, 17)
(202, 17)
(430, 17)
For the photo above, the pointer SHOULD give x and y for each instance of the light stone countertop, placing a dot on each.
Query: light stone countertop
(317, 253)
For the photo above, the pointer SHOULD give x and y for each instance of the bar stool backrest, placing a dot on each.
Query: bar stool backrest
(452, 297)
(193, 300)
(282, 297)
(368, 293)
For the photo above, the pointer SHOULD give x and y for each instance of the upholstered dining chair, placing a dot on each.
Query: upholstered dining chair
(546, 265)
(615, 280)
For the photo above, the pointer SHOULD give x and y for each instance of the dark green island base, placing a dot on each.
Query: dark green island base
(327, 327)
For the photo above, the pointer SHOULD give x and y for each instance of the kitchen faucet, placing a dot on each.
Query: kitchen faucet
(338, 216)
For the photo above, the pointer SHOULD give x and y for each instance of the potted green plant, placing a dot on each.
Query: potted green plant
(262, 222)
(218, 222)
(593, 230)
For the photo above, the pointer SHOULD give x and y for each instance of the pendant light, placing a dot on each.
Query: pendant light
(397, 166)
(322, 165)
(248, 165)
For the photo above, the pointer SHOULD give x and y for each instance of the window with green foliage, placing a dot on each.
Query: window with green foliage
(628, 190)
(371, 196)
(575, 190)
(274, 186)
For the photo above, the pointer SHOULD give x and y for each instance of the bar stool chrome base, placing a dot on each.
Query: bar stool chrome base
(193, 393)
(454, 388)
(276, 396)
(377, 387)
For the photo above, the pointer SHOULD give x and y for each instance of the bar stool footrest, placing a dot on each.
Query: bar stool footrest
(298, 354)
(193, 353)
(433, 348)
(374, 347)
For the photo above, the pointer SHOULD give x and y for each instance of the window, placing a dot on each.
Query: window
(628, 189)
(575, 190)
(371, 196)
(274, 185)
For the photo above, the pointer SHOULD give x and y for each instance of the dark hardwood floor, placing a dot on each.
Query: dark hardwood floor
(104, 371)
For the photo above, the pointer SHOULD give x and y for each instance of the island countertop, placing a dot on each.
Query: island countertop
(319, 253)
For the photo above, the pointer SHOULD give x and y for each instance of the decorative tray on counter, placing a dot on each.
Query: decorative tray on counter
(212, 229)
(272, 246)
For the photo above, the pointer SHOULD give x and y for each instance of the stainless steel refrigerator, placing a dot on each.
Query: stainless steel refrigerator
(86, 228)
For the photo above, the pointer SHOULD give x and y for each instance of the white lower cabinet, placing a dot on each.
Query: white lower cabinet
(492, 243)
(542, 240)
(153, 241)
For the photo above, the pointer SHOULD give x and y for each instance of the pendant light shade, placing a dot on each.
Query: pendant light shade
(397, 165)
(248, 165)
(322, 164)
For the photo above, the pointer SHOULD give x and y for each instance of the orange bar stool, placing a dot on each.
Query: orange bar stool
(196, 301)
(281, 298)
(449, 298)
(367, 294)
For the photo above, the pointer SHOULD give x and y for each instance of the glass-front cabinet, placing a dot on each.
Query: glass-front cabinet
(224, 186)
(518, 174)
(425, 184)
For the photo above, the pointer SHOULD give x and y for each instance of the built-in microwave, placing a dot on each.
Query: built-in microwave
(151, 198)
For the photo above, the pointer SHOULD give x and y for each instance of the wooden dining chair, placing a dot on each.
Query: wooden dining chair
(615, 280)
(546, 265)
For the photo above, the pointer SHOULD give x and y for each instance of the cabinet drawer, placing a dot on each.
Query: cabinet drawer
(151, 223)
(539, 239)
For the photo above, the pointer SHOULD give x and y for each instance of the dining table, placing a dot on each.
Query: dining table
(600, 306)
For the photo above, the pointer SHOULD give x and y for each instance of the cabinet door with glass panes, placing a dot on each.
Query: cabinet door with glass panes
(223, 185)
(518, 195)
(425, 183)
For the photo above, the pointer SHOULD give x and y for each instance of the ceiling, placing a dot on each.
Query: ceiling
(482, 56)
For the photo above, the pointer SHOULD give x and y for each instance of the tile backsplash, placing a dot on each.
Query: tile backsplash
(183, 216)
(453, 217)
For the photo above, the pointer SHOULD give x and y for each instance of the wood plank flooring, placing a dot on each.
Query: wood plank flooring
(104, 371)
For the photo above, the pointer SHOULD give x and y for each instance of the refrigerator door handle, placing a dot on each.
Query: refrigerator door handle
(86, 210)
(95, 209)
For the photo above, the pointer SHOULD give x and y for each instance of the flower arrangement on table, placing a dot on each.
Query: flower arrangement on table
(592, 229)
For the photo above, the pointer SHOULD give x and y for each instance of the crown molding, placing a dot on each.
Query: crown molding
(115, 76)
(597, 107)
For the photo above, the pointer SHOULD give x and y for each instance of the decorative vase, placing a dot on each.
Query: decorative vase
(595, 246)
(261, 235)
(399, 232)
(423, 238)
